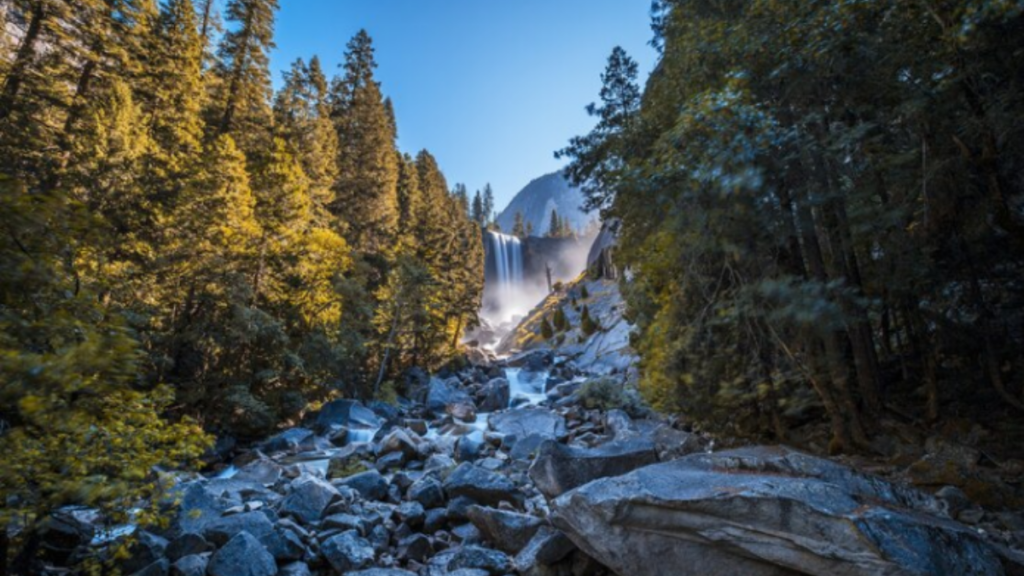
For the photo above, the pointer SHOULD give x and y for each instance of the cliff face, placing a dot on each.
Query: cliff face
(539, 198)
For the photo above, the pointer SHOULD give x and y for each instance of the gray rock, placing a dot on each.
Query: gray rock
(559, 468)
(191, 565)
(284, 545)
(509, 531)
(347, 552)
(295, 569)
(146, 549)
(221, 530)
(398, 440)
(427, 491)
(243, 555)
(382, 572)
(445, 393)
(481, 485)
(765, 511)
(495, 395)
(262, 471)
(522, 422)
(187, 544)
(288, 441)
(308, 499)
(415, 548)
(412, 513)
(475, 557)
(525, 449)
(161, 567)
(345, 522)
(547, 547)
(370, 485)
(469, 447)
(347, 413)
(61, 535)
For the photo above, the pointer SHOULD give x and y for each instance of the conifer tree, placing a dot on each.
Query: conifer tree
(555, 226)
(518, 229)
(477, 209)
(488, 204)
(366, 196)
(241, 104)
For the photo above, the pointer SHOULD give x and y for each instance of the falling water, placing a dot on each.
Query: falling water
(505, 259)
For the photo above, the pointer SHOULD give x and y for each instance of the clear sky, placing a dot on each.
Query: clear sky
(491, 87)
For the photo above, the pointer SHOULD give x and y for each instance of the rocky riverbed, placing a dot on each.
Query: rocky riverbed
(502, 469)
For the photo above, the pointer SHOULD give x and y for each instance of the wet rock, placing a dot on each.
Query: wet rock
(494, 395)
(308, 499)
(203, 502)
(347, 552)
(765, 511)
(522, 422)
(284, 545)
(347, 413)
(463, 411)
(191, 565)
(427, 491)
(469, 447)
(382, 572)
(291, 441)
(525, 449)
(475, 557)
(558, 468)
(187, 545)
(398, 440)
(509, 531)
(243, 555)
(263, 471)
(223, 529)
(370, 485)
(445, 393)
(480, 485)
(467, 534)
(146, 549)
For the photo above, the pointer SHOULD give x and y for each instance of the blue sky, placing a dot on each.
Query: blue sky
(490, 87)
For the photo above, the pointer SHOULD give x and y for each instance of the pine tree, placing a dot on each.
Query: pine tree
(366, 196)
(477, 210)
(587, 323)
(555, 226)
(518, 229)
(561, 322)
(241, 104)
(546, 331)
(529, 229)
(302, 119)
(488, 204)
(410, 200)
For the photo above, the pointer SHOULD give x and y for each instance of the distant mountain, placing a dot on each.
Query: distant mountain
(538, 199)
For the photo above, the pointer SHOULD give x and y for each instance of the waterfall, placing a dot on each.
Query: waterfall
(505, 259)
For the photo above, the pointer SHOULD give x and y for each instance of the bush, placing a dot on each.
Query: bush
(588, 324)
(584, 293)
(546, 331)
(561, 322)
(608, 394)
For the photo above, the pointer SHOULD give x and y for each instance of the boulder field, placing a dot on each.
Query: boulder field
(461, 483)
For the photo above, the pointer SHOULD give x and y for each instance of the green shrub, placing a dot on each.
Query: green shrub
(607, 394)
(561, 322)
(546, 331)
(587, 323)
(584, 293)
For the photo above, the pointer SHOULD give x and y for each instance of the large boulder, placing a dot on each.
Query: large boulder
(243, 555)
(480, 485)
(525, 421)
(308, 499)
(347, 552)
(221, 530)
(766, 512)
(509, 531)
(495, 395)
(445, 396)
(559, 468)
(347, 413)
(292, 440)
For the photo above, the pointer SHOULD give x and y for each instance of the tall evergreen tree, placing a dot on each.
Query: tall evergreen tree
(366, 196)
(518, 228)
(241, 104)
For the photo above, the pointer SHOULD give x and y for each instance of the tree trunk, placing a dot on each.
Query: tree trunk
(26, 54)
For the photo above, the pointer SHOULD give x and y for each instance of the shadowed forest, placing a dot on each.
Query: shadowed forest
(817, 213)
